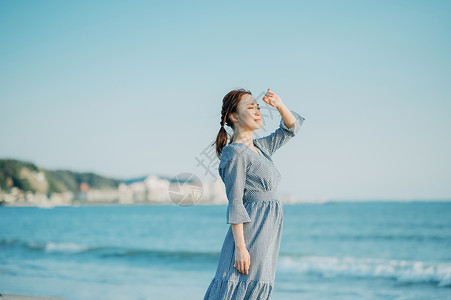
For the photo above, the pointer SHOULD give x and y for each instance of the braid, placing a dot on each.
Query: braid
(224, 114)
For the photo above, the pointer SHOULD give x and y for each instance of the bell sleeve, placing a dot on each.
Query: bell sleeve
(281, 135)
(233, 173)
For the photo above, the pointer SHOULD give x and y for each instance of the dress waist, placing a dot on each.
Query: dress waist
(260, 195)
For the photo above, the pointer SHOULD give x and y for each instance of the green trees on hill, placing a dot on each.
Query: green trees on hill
(10, 176)
(28, 177)
(64, 180)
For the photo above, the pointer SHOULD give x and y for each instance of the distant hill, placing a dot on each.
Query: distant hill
(29, 177)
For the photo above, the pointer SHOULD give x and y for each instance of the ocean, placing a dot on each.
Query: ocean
(335, 250)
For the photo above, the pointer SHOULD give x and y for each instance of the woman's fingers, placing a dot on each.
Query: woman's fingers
(269, 92)
(246, 265)
(242, 262)
(243, 266)
(239, 266)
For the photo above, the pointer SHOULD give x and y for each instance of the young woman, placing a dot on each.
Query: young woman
(247, 263)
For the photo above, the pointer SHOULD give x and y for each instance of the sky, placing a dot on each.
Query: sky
(132, 88)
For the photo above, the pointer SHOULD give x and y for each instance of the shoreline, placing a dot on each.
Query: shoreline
(27, 297)
(329, 202)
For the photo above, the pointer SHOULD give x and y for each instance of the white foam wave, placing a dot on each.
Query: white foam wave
(400, 270)
(65, 247)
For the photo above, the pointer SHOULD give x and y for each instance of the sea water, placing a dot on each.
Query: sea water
(347, 250)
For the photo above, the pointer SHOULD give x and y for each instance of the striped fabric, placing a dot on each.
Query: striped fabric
(251, 181)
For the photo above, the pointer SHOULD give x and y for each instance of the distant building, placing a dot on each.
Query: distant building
(84, 187)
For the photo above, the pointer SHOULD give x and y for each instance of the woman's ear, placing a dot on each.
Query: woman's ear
(233, 117)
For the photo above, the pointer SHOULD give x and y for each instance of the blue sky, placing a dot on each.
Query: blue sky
(129, 88)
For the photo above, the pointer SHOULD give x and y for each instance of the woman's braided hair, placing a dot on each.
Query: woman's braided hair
(229, 106)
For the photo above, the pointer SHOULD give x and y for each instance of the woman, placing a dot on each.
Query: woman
(247, 263)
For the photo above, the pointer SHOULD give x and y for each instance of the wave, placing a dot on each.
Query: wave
(106, 251)
(399, 270)
(395, 237)
(49, 247)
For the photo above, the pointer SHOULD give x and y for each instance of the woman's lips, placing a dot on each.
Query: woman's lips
(256, 120)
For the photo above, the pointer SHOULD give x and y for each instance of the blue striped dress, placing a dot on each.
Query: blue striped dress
(251, 181)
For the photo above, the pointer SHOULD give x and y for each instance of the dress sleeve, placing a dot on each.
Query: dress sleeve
(233, 173)
(281, 135)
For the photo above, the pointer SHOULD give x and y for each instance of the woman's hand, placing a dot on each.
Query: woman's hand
(272, 99)
(242, 260)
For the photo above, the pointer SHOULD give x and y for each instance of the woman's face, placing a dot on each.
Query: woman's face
(248, 115)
